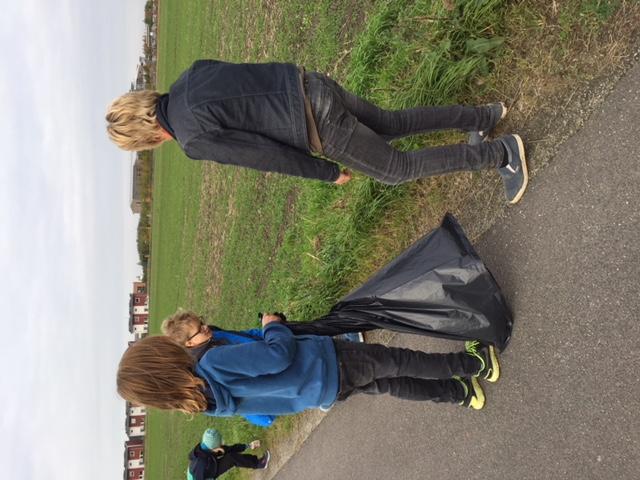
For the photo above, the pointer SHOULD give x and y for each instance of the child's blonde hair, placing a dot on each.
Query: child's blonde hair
(176, 326)
(157, 372)
(132, 123)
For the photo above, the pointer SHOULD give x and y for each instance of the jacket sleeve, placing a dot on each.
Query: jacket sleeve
(273, 355)
(238, 448)
(254, 332)
(252, 150)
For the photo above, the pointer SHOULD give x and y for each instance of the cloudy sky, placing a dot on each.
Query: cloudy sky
(67, 235)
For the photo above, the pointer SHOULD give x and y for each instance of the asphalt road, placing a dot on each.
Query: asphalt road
(568, 403)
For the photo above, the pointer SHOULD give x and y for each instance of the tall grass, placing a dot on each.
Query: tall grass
(398, 64)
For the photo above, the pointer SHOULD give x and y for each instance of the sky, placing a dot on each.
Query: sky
(67, 235)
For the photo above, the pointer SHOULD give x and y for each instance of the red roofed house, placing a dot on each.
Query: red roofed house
(139, 310)
(134, 459)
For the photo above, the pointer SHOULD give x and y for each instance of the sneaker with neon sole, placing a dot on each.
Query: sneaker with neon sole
(486, 354)
(474, 395)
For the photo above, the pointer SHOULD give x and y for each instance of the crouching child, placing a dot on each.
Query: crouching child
(210, 458)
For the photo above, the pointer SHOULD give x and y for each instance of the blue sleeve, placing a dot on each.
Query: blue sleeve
(254, 332)
(234, 337)
(270, 356)
(260, 420)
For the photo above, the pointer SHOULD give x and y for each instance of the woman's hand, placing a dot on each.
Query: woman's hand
(255, 444)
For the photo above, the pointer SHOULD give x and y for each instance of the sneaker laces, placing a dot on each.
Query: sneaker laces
(472, 347)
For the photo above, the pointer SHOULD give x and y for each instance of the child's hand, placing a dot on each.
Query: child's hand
(255, 444)
(267, 318)
(345, 176)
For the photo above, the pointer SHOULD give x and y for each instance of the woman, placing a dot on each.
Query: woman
(275, 117)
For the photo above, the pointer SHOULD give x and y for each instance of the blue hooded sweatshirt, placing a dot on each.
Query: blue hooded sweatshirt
(281, 375)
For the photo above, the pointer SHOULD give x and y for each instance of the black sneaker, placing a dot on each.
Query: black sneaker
(514, 175)
(263, 462)
(474, 395)
(490, 369)
(498, 112)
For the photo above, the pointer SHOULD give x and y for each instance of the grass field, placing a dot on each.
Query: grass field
(229, 242)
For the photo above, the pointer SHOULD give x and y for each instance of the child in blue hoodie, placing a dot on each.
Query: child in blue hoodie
(190, 330)
(285, 374)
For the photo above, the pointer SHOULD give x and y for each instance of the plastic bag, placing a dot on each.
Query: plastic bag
(437, 287)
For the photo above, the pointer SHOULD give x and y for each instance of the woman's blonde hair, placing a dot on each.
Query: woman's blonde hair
(177, 325)
(132, 123)
(157, 372)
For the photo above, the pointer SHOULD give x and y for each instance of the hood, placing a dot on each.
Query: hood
(224, 405)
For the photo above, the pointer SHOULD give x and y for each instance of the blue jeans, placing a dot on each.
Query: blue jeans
(356, 133)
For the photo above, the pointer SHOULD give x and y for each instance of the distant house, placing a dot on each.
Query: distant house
(134, 459)
(139, 310)
(135, 421)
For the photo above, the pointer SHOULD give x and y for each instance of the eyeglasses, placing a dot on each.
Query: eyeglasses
(200, 330)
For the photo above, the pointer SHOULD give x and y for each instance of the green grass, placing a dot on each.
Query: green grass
(283, 244)
(229, 242)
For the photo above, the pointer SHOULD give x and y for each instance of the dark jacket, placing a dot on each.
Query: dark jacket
(282, 374)
(203, 464)
(250, 115)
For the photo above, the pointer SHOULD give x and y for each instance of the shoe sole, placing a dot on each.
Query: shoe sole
(525, 172)
(504, 111)
(266, 464)
(495, 366)
(480, 399)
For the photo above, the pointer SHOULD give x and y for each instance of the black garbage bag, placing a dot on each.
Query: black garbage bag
(437, 287)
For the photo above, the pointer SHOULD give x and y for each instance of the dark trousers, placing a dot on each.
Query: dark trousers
(356, 133)
(235, 459)
(409, 374)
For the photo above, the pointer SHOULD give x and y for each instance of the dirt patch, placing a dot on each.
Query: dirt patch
(272, 16)
(289, 210)
(287, 219)
(212, 231)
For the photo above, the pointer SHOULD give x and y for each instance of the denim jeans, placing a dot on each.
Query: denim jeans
(356, 133)
(409, 374)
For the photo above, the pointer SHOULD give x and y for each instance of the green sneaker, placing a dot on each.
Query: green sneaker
(474, 395)
(490, 370)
